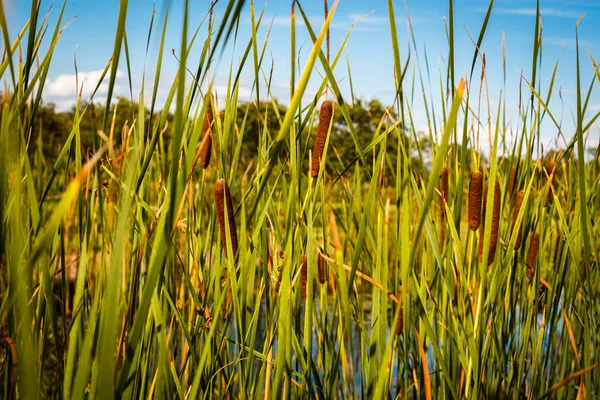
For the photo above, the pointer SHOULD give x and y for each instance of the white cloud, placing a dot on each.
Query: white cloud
(65, 85)
(244, 93)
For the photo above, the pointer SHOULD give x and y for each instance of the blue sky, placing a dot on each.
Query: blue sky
(90, 37)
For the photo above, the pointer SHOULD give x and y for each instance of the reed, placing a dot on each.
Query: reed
(516, 209)
(222, 200)
(400, 319)
(304, 277)
(322, 265)
(532, 254)
(325, 116)
(475, 197)
(206, 144)
(167, 301)
(495, 222)
(511, 180)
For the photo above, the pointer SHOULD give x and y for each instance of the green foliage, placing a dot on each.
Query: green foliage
(115, 281)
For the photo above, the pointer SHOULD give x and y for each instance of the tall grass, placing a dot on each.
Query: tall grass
(403, 308)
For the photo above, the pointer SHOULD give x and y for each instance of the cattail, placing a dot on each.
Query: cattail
(511, 180)
(324, 120)
(518, 203)
(550, 171)
(321, 263)
(495, 223)
(400, 320)
(205, 150)
(222, 197)
(206, 144)
(533, 251)
(304, 277)
(474, 210)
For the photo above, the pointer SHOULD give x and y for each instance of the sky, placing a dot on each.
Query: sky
(89, 36)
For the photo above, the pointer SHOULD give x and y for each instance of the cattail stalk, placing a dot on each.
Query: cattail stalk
(511, 180)
(222, 198)
(206, 143)
(474, 205)
(321, 263)
(304, 277)
(533, 250)
(518, 203)
(323, 128)
(400, 320)
(495, 222)
(532, 255)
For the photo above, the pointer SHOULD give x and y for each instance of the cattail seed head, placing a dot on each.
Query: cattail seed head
(323, 128)
(495, 222)
(206, 143)
(474, 205)
(304, 277)
(533, 251)
(205, 150)
(400, 320)
(322, 264)
(511, 180)
(518, 203)
(222, 199)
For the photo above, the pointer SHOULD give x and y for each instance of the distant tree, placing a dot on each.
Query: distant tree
(257, 120)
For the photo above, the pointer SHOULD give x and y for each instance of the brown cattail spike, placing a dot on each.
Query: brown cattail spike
(324, 120)
(533, 250)
(474, 205)
(322, 264)
(400, 320)
(511, 181)
(304, 277)
(206, 143)
(518, 203)
(222, 198)
(532, 255)
(495, 222)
